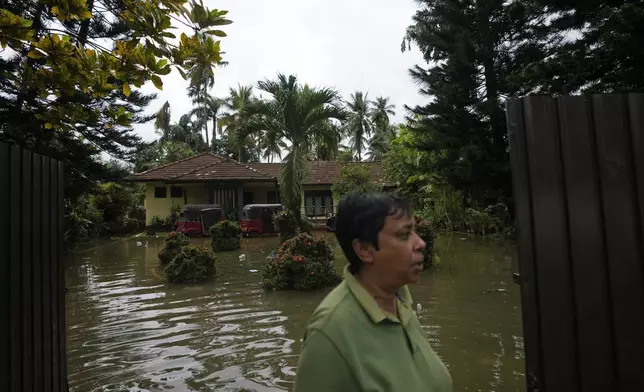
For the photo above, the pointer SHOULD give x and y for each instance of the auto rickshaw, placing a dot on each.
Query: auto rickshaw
(197, 219)
(257, 219)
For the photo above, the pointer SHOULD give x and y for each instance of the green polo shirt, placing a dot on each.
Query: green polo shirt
(351, 344)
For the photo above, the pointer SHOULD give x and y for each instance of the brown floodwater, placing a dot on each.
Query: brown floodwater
(129, 330)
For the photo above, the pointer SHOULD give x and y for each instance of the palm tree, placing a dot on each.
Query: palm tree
(272, 145)
(383, 132)
(208, 108)
(200, 82)
(189, 132)
(326, 144)
(162, 121)
(296, 114)
(236, 121)
(359, 126)
(381, 111)
(380, 142)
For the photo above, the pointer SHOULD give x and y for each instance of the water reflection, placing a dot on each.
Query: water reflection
(129, 330)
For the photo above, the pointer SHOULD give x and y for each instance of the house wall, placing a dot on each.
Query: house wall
(197, 194)
(260, 191)
(194, 194)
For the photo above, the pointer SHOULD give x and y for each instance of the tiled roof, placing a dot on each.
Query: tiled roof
(322, 172)
(229, 169)
(178, 168)
(210, 167)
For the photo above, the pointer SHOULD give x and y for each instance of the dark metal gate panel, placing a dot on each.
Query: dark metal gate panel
(578, 172)
(32, 276)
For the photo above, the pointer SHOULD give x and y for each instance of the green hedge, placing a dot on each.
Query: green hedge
(226, 236)
(301, 263)
(226, 244)
(173, 244)
(193, 264)
(286, 225)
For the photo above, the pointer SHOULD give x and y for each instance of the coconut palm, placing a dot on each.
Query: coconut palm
(236, 120)
(380, 142)
(380, 112)
(162, 121)
(359, 126)
(296, 114)
(208, 108)
(326, 143)
(383, 131)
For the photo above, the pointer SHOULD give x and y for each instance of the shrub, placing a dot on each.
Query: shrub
(354, 177)
(286, 225)
(226, 236)
(175, 213)
(306, 226)
(301, 263)
(82, 221)
(226, 244)
(226, 229)
(425, 230)
(192, 264)
(157, 222)
(174, 242)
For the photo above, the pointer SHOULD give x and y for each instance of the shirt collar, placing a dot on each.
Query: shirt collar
(370, 306)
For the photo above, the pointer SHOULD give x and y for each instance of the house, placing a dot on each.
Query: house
(212, 179)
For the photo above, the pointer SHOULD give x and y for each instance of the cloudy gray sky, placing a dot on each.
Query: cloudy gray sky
(348, 44)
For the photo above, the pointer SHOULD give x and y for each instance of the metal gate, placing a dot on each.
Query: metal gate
(32, 301)
(578, 173)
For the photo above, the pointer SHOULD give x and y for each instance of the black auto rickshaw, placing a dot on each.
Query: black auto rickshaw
(197, 219)
(257, 219)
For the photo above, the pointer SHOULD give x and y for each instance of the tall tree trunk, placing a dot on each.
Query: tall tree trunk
(214, 128)
(204, 119)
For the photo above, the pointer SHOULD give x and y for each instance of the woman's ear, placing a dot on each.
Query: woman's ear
(363, 250)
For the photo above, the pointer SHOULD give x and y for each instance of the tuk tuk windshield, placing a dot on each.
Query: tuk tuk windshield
(259, 211)
(251, 213)
(189, 215)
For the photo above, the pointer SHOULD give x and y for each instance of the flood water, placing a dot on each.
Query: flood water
(128, 330)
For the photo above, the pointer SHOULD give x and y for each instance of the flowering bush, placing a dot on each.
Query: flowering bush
(173, 244)
(192, 264)
(425, 231)
(301, 263)
(226, 236)
(286, 225)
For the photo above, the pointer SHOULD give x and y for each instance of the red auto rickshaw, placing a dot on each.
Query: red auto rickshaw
(257, 219)
(197, 219)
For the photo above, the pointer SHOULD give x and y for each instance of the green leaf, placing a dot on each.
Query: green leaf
(217, 33)
(221, 22)
(34, 54)
(158, 83)
(126, 89)
(183, 73)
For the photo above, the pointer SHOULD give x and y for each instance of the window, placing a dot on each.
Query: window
(271, 197)
(176, 191)
(318, 203)
(160, 192)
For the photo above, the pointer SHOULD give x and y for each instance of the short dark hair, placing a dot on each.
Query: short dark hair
(362, 216)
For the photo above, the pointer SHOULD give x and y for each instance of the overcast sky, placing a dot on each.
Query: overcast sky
(347, 44)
